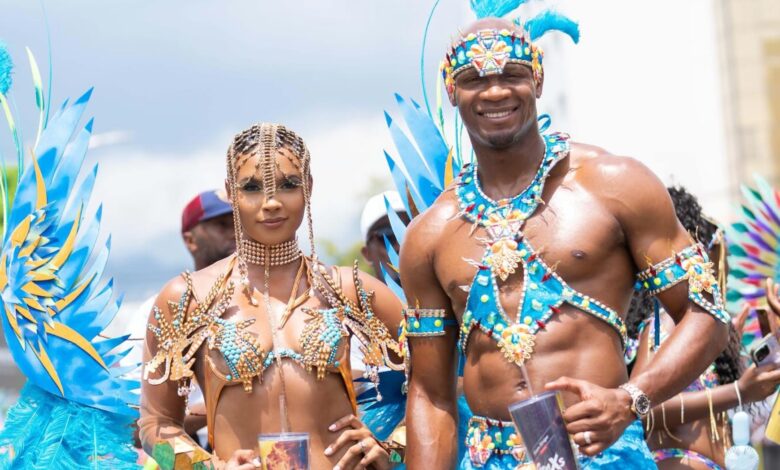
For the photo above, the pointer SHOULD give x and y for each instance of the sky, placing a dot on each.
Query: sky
(174, 80)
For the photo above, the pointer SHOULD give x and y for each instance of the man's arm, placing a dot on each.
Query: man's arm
(654, 234)
(431, 411)
(644, 210)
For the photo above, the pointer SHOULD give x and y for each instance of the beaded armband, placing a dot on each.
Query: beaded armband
(691, 264)
(425, 322)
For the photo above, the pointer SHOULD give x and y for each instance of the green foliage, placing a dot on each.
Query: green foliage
(345, 257)
(11, 177)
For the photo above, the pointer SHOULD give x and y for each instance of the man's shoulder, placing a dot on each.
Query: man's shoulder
(624, 184)
(428, 226)
(598, 167)
(594, 158)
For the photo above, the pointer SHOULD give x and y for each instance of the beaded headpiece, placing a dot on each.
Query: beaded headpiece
(490, 50)
(266, 140)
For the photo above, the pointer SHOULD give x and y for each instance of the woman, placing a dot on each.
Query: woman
(691, 431)
(266, 332)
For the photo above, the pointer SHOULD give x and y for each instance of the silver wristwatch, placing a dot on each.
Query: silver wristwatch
(640, 402)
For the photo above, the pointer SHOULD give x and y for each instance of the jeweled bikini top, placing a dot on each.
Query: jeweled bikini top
(507, 249)
(179, 339)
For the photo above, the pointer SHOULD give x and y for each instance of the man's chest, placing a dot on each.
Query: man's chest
(574, 235)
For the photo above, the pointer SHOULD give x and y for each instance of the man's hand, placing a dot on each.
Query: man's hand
(600, 417)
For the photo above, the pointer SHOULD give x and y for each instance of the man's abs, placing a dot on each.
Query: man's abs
(574, 345)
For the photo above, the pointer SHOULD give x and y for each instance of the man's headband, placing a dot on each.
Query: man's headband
(490, 50)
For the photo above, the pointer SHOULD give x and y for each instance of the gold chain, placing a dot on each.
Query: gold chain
(283, 411)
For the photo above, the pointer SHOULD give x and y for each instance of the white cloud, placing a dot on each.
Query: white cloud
(104, 139)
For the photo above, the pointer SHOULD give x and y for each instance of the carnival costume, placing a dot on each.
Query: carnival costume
(424, 174)
(75, 410)
(234, 354)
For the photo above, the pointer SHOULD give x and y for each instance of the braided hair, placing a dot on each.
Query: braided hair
(266, 140)
(727, 365)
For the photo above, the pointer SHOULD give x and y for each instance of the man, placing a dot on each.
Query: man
(375, 226)
(529, 256)
(207, 228)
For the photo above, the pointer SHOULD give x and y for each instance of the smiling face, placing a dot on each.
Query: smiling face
(274, 219)
(498, 110)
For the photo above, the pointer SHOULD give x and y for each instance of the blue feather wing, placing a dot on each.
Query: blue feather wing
(421, 170)
(44, 431)
(56, 300)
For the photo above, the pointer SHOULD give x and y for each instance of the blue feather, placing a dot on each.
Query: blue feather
(551, 20)
(382, 417)
(497, 8)
(6, 67)
(46, 431)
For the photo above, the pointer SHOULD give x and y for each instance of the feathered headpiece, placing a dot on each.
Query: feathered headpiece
(490, 50)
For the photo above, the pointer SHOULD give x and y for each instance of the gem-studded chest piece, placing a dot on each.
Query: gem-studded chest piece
(503, 219)
(505, 251)
(508, 251)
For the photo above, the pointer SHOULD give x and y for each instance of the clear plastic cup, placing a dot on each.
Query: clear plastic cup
(541, 425)
(286, 451)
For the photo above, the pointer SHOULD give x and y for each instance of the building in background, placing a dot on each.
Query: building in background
(748, 33)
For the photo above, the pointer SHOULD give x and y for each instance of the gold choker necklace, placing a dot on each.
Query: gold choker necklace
(281, 254)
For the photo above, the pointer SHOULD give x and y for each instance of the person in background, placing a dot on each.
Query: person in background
(692, 429)
(375, 226)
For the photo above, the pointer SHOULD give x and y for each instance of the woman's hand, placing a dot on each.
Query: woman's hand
(363, 449)
(739, 320)
(243, 459)
(757, 383)
(772, 296)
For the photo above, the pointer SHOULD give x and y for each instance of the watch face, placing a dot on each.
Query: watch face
(642, 405)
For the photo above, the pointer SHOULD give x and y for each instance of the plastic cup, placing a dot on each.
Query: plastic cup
(287, 451)
(541, 426)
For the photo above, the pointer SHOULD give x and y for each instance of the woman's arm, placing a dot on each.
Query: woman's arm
(161, 426)
(754, 385)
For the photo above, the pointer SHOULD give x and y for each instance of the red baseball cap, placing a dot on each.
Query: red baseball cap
(204, 206)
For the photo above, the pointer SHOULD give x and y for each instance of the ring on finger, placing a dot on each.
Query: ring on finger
(362, 446)
(586, 436)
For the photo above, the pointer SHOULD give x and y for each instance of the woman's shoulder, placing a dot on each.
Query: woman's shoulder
(197, 283)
